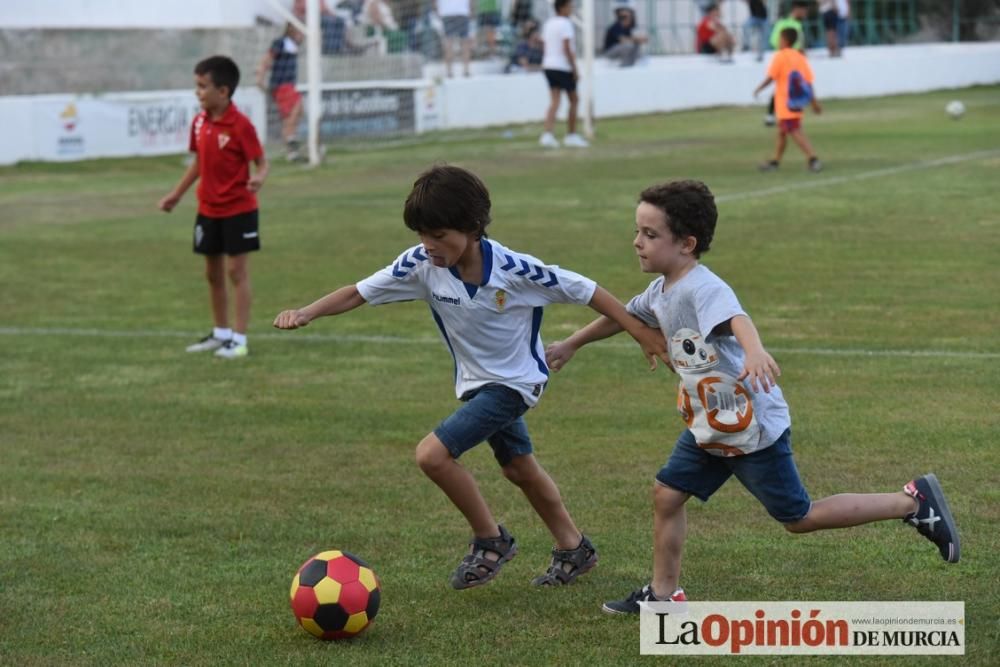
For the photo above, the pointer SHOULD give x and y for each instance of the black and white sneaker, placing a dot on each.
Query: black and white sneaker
(207, 344)
(630, 605)
(933, 517)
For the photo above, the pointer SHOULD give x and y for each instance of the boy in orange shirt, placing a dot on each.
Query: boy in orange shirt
(790, 71)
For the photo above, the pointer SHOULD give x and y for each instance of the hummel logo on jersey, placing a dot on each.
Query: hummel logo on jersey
(223, 140)
(250, 235)
(447, 299)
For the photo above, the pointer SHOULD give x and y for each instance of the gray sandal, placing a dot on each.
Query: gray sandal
(476, 569)
(568, 564)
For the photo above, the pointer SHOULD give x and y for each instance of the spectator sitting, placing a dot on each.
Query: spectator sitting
(528, 53)
(713, 38)
(619, 41)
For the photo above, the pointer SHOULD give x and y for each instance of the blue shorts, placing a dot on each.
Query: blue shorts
(769, 474)
(492, 413)
(456, 26)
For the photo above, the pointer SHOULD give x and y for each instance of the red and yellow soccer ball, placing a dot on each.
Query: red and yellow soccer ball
(335, 595)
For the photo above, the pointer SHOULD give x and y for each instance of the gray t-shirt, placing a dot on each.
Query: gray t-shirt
(726, 417)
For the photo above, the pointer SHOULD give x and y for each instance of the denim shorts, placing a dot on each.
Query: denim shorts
(769, 474)
(492, 413)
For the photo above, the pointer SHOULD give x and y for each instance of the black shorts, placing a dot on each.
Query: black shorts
(707, 49)
(234, 235)
(830, 19)
(561, 79)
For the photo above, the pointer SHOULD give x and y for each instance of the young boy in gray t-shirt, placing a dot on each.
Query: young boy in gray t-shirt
(736, 417)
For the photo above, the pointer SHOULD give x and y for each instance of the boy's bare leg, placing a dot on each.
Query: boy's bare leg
(447, 56)
(457, 483)
(543, 494)
(239, 276)
(466, 55)
(291, 124)
(853, 509)
(799, 137)
(779, 148)
(669, 533)
(215, 273)
(574, 101)
(550, 114)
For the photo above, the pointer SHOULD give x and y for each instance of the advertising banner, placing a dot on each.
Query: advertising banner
(78, 127)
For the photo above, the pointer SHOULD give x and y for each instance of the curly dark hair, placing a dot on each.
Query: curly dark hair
(689, 207)
(447, 197)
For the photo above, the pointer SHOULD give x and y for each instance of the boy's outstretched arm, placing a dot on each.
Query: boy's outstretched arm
(168, 203)
(615, 319)
(559, 353)
(758, 364)
(763, 84)
(345, 299)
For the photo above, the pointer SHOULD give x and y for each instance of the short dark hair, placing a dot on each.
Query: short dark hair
(221, 70)
(689, 207)
(790, 35)
(447, 197)
(561, 3)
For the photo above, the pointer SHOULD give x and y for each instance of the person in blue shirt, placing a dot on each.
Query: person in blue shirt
(621, 41)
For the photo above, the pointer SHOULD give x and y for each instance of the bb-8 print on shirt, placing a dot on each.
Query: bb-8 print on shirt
(716, 408)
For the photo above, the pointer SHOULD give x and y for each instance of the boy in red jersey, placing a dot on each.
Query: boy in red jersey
(793, 79)
(225, 232)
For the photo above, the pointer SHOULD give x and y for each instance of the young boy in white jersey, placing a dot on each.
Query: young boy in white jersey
(737, 420)
(559, 65)
(487, 303)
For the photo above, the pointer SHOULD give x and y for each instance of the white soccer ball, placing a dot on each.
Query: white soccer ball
(955, 109)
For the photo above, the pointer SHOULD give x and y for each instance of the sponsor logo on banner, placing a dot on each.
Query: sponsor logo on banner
(365, 112)
(160, 122)
(802, 628)
(69, 141)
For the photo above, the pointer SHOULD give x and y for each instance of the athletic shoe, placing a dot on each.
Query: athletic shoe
(630, 605)
(548, 141)
(770, 165)
(207, 344)
(815, 165)
(576, 141)
(769, 120)
(231, 350)
(933, 517)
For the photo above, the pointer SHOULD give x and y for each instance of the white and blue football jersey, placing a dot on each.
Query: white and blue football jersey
(492, 329)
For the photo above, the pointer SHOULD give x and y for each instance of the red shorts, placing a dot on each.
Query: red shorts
(786, 125)
(287, 97)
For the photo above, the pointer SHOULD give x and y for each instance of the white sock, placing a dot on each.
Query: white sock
(222, 334)
(239, 338)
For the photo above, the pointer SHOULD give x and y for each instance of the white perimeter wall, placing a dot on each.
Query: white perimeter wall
(75, 127)
(688, 82)
(159, 14)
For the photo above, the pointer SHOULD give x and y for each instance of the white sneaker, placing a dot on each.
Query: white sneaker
(547, 140)
(207, 344)
(232, 350)
(576, 141)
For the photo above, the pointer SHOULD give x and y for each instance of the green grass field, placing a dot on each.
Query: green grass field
(154, 505)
